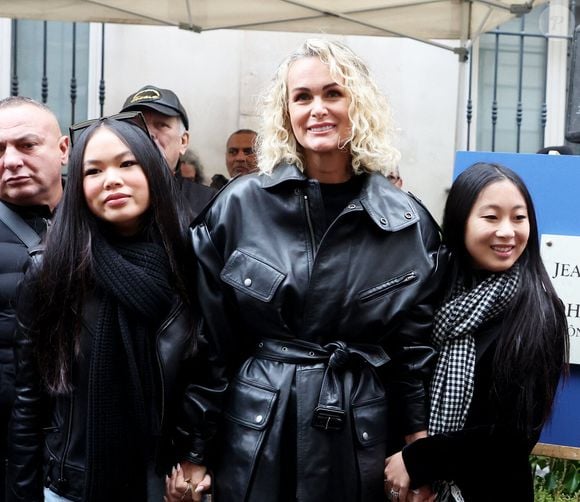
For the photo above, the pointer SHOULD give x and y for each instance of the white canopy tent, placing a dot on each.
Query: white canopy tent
(423, 20)
(449, 24)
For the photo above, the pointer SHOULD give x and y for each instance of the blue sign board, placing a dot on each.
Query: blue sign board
(554, 183)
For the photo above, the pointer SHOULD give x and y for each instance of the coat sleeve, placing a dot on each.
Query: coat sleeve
(492, 440)
(216, 346)
(26, 439)
(466, 454)
(408, 344)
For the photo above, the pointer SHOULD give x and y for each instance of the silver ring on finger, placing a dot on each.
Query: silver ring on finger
(394, 494)
(187, 490)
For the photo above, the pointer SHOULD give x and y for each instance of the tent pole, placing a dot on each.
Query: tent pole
(463, 122)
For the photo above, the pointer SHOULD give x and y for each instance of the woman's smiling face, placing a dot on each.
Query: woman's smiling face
(318, 106)
(498, 228)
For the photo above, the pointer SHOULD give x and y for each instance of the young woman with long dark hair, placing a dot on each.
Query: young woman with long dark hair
(106, 338)
(503, 343)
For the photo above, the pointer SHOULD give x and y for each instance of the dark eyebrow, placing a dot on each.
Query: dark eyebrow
(117, 158)
(496, 206)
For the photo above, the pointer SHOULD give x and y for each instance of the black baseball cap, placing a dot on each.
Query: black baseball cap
(161, 100)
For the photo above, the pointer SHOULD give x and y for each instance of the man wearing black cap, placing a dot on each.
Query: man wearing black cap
(168, 123)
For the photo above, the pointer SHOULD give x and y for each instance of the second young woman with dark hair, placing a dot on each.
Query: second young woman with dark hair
(106, 340)
(503, 343)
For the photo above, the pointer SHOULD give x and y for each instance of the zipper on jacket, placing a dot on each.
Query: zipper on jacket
(61, 480)
(388, 286)
(309, 222)
(173, 314)
(162, 381)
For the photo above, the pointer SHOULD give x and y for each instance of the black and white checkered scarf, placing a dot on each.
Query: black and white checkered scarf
(454, 325)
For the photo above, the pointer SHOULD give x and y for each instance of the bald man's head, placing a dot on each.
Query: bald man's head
(32, 153)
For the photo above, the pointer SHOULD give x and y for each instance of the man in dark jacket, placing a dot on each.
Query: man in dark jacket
(168, 123)
(32, 153)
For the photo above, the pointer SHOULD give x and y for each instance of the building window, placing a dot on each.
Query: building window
(512, 86)
(52, 50)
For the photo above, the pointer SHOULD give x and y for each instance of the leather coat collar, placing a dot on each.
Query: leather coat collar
(386, 205)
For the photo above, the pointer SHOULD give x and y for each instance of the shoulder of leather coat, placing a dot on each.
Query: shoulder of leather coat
(391, 209)
(388, 207)
(238, 188)
(419, 202)
(282, 175)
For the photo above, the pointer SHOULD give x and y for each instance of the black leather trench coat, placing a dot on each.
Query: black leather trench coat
(47, 440)
(318, 336)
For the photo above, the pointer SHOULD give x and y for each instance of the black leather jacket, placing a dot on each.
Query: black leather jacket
(48, 433)
(314, 331)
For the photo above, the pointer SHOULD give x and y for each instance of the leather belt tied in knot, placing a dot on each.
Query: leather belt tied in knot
(329, 414)
(339, 357)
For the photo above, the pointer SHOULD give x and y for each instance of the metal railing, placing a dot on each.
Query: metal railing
(496, 107)
(494, 112)
(73, 78)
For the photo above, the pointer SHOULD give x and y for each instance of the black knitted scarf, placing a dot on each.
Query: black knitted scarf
(133, 280)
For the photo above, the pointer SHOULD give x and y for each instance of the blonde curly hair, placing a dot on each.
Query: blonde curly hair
(369, 113)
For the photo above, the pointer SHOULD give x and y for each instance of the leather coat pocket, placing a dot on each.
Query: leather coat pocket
(387, 287)
(251, 276)
(370, 422)
(371, 428)
(247, 416)
(251, 404)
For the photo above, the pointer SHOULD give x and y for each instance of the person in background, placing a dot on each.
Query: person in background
(317, 280)
(218, 181)
(105, 340)
(556, 150)
(502, 339)
(241, 153)
(32, 153)
(190, 167)
(168, 123)
(240, 157)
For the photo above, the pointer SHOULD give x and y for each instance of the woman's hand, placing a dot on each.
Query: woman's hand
(397, 479)
(397, 483)
(187, 482)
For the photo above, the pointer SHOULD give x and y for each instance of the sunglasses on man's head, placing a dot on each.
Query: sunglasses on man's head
(135, 117)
